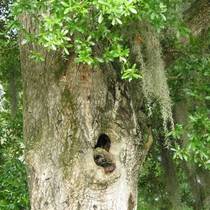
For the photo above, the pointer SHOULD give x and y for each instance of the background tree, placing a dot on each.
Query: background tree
(13, 185)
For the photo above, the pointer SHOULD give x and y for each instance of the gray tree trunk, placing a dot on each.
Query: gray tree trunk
(67, 107)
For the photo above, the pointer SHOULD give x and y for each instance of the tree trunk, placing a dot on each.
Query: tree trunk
(67, 107)
(170, 178)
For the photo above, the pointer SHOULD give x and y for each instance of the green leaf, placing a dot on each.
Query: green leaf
(132, 10)
(100, 18)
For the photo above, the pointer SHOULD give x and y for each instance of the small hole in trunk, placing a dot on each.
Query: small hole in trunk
(102, 156)
(103, 142)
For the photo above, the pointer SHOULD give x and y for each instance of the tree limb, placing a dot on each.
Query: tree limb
(197, 17)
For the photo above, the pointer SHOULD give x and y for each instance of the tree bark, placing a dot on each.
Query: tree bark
(67, 106)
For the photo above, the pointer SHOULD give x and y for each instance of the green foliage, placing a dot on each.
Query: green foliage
(189, 81)
(13, 186)
(130, 73)
(197, 133)
(94, 30)
(192, 73)
(192, 85)
(153, 192)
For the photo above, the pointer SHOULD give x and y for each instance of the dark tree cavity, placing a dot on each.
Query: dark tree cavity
(102, 156)
(103, 142)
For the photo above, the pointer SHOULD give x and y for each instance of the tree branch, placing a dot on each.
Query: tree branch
(197, 17)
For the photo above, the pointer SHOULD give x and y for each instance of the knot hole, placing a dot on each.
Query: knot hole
(102, 156)
(103, 142)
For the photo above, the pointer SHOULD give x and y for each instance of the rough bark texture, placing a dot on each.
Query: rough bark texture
(66, 108)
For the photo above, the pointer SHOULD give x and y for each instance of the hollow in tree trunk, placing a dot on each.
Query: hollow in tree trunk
(83, 139)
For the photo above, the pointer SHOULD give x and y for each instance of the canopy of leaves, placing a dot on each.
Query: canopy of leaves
(97, 30)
